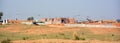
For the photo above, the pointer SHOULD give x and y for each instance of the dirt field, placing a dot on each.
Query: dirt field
(104, 30)
(32, 29)
(62, 41)
(38, 30)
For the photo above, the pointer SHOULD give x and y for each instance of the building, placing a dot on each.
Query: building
(109, 21)
(58, 20)
(3, 22)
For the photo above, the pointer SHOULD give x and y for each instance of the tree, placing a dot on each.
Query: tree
(118, 20)
(30, 18)
(1, 14)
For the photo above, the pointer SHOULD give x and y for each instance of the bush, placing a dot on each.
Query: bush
(6, 41)
(25, 38)
(79, 38)
(75, 36)
(82, 38)
(61, 33)
(113, 35)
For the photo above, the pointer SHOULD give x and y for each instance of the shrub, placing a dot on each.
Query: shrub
(75, 36)
(82, 38)
(6, 41)
(25, 38)
(113, 35)
(61, 33)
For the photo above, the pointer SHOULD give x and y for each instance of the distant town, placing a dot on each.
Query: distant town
(61, 20)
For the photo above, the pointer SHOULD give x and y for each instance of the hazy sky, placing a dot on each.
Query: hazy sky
(95, 9)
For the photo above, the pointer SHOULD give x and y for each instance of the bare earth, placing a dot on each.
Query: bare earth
(55, 29)
(61, 41)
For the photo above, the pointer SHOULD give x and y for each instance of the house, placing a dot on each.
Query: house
(3, 22)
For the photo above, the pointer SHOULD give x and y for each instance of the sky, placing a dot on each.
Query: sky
(79, 9)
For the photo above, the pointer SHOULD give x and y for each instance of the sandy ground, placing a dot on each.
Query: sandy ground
(55, 29)
(104, 30)
(62, 41)
(37, 29)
